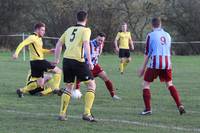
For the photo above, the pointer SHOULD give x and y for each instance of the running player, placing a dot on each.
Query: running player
(124, 38)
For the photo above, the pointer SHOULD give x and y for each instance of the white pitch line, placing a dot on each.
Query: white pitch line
(113, 120)
(126, 108)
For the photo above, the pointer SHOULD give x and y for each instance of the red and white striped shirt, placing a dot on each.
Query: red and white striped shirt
(158, 48)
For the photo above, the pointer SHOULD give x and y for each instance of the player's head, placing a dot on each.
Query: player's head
(124, 27)
(156, 22)
(82, 16)
(39, 28)
(101, 38)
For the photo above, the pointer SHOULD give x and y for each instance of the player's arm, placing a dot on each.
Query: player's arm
(116, 42)
(87, 53)
(86, 46)
(146, 57)
(24, 43)
(131, 43)
(143, 68)
(48, 51)
(58, 49)
(101, 48)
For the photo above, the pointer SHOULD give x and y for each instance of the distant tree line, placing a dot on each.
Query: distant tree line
(181, 18)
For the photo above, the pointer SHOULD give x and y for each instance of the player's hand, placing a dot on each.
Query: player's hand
(117, 49)
(52, 51)
(132, 48)
(91, 66)
(14, 56)
(56, 62)
(141, 71)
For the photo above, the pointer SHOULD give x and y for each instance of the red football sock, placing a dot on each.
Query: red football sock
(175, 95)
(78, 84)
(110, 88)
(147, 99)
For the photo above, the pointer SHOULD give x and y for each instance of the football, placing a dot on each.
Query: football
(76, 94)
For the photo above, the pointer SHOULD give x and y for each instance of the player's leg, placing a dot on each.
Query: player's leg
(108, 84)
(65, 99)
(89, 100)
(146, 98)
(122, 60)
(46, 89)
(38, 89)
(127, 59)
(56, 77)
(126, 62)
(121, 65)
(55, 82)
(30, 86)
(48, 79)
(78, 85)
(175, 95)
(149, 76)
(166, 76)
(53, 85)
(84, 74)
(69, 77)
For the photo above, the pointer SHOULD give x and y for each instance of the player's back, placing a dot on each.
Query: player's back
(159, 49)
(74, 37)
(160, 42)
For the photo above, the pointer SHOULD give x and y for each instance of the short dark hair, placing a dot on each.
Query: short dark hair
(156, 22)
(81, 16)
(124, 23)
(101, 34)
(39, 25)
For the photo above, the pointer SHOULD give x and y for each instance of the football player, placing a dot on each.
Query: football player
(96, 46)
(122, 47)
(158, 54)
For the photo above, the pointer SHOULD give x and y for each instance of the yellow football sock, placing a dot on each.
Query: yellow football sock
(89, 99)
(30, 86)
(56, 80)
(65, 99)
(46, 91)
(125, 64)
(121, 67)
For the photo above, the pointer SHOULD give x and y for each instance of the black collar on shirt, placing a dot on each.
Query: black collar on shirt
(35, 34)
(80, 25)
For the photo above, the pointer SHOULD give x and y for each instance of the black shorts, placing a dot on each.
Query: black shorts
(36, 91)
(74, 69)
(38, 67)
(124, 53)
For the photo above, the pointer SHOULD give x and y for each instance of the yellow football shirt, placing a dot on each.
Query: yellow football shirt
(73, 39)
(123, 38)
(35, 44)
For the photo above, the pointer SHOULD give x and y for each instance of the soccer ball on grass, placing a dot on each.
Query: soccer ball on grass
(76, 94)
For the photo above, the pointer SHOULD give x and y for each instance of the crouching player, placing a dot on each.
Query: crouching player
(51, 84)
(38, 63)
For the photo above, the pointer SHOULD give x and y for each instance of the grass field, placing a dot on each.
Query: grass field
(33, 114)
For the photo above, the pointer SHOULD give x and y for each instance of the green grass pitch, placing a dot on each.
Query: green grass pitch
(33, 114)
